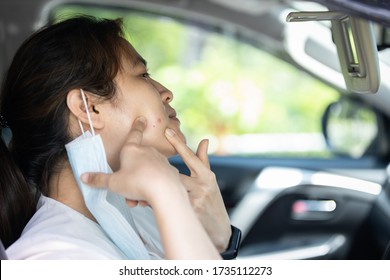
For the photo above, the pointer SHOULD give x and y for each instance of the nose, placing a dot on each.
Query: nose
(166, 94)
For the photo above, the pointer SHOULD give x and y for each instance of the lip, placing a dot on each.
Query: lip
(173, 116)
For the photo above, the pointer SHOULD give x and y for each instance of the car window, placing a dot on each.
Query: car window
(234, 91)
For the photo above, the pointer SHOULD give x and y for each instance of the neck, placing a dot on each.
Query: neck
(63, 188)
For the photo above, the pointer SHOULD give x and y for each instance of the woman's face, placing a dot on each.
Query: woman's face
(138, 95)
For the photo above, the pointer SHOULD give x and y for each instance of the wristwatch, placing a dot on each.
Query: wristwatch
(234, 244)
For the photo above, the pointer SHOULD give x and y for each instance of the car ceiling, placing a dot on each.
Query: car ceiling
(376, 10)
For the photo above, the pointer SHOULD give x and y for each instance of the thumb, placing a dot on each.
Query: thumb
(95, 179)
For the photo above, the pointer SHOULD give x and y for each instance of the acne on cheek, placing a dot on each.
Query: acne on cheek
(158, 121)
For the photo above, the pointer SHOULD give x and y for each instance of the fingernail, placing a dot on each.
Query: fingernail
(84, 177)
(170, 132)
(141, 119)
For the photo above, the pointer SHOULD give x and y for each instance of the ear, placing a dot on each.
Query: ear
(76, 105)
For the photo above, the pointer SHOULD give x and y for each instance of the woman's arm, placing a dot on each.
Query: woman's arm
(183, 236)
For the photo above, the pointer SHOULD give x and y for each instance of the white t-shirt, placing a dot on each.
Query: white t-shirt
(56, 232)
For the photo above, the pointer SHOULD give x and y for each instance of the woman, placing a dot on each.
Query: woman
(80, 73)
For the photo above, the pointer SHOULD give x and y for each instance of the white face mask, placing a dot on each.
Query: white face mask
(122, 224)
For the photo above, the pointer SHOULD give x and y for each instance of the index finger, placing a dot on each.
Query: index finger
(190, 159)
(136, 131)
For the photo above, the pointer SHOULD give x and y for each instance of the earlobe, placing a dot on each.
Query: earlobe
(77, 107)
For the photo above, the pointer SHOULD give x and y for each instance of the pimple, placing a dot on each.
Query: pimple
(158, 121)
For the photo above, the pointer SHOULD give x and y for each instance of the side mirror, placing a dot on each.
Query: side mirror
(353, 129)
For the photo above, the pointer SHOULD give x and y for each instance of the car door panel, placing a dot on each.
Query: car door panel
(297, 209)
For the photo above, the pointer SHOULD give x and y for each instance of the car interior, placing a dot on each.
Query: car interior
(320, 193)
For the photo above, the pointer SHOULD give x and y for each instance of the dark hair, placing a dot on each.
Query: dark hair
(82, 52)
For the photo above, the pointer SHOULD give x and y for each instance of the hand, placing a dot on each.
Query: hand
(145, 175)
(203, 191)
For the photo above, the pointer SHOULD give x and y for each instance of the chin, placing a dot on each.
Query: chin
(182, 136)
(170, 152)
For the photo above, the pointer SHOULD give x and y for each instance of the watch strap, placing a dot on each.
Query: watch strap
(234, 244)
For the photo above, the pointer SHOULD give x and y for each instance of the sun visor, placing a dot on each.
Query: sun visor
(356, 48)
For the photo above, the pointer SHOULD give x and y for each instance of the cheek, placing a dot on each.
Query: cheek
(155, 128)
(154, 136)
(157, 122)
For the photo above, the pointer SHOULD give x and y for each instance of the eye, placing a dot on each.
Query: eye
(145, 75)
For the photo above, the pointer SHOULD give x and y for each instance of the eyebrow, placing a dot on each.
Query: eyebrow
(141, 60)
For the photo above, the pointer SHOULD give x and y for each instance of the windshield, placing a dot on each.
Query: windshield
(228, 88)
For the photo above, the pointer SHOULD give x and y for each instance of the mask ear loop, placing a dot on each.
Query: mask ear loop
(88, 115)
(82, 128)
